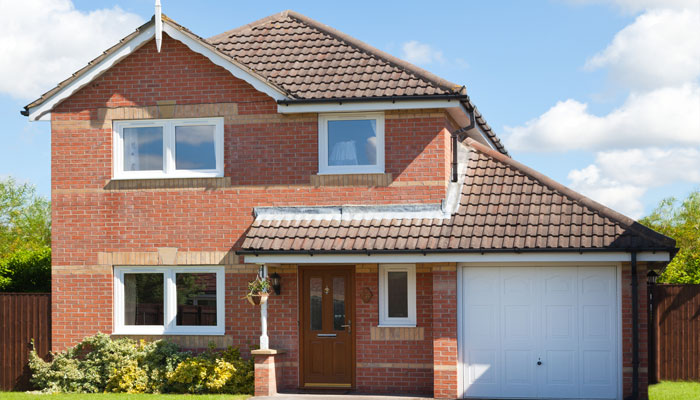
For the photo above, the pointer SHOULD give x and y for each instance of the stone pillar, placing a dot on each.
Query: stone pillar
(445, 356)
(265, 374)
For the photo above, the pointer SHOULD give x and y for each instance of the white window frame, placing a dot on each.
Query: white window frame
(384, 319)
(169, 168)
(169, 326)
(324, 168)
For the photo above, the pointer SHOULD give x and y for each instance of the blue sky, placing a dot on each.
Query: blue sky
(600, 95)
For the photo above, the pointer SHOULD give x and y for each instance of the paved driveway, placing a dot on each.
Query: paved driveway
(334, 397)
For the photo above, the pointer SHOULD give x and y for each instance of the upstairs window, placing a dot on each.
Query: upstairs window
(351, 143)
(169, 148)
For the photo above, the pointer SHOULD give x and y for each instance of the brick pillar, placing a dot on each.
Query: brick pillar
(265, 376)
(445, 331)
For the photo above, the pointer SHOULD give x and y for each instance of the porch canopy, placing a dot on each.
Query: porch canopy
(504, 207)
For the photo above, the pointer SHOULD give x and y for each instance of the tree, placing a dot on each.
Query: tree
(681, 221)
(25, 238)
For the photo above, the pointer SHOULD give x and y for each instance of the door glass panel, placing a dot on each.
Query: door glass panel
(316, 301)
(196, 299)
(143, 299)
(143, 149)
(338, 303)
(398, 294)
(194, 147)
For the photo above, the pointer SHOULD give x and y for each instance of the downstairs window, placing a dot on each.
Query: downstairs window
(397, 295)
(169, 300)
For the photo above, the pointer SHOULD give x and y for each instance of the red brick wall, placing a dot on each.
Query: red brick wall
(277, 157)
(379, 379)
(626, 286)
(445, 333)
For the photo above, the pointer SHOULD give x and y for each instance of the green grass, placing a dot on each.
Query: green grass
(121, 396)
(674, 391)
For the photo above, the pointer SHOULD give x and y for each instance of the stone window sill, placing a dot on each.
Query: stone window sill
(361, 180)
(174, 183)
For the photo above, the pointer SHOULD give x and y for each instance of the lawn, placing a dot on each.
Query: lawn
(113, 396)
(674, 391)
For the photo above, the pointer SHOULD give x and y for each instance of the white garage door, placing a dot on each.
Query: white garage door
(542, 332)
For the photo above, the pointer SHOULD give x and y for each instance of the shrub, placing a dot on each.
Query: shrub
(26, 270)
(100, 364)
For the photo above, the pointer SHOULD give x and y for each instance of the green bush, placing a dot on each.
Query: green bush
(26, 270)
(100, 364)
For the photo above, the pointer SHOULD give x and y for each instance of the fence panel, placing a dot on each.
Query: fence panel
(23, 317)
(676, 332)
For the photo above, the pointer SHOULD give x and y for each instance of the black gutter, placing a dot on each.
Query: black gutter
(635, 330)
(449, 251)
(393, 99)
(24, 112)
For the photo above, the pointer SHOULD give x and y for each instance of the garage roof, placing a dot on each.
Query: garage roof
(505, 206)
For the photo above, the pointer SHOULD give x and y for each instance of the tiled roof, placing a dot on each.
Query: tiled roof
(505, 206)
(314, 61)
(307, 60)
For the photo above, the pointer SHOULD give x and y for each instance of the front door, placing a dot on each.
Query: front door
(327, 318)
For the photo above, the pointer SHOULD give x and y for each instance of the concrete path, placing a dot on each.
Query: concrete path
(282, 396)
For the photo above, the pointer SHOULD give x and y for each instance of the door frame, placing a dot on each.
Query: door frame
(460, 321)
(300, 330)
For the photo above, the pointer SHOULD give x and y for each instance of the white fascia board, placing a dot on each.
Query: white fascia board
(353, 106)
(36, 113)
(224, 62)
(453, 257)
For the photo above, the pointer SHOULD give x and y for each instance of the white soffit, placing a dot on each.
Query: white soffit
(351, 106)
(39, 112)
(500, 258)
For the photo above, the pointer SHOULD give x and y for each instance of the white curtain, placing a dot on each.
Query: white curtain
(131, 150)
(343, 153)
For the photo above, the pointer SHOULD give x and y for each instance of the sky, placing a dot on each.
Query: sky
(602, 96)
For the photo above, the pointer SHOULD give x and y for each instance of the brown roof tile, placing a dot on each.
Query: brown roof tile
(286, 49)
(546, 215)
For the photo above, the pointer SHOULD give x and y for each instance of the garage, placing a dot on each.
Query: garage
(540, 331)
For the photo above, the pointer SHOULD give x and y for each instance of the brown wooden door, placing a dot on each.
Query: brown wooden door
(327, 318)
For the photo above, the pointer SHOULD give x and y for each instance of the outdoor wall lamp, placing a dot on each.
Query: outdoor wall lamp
(276, 282)
(652, 276)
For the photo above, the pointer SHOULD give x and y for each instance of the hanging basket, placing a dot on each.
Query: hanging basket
(257, 299)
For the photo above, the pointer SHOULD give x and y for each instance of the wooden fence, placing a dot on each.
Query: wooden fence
(674, 333)
(23, 317)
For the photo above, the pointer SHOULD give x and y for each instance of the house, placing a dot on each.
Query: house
(414, 255)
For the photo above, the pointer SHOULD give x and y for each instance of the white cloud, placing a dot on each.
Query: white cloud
(619, 179)
(660, 48)
(43, 42)
(653, 138)
(666, 116)
(634, 6)
(421, 53)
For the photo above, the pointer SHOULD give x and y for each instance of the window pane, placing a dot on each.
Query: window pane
(196, 299)
(143, 299)
(316, 300)
(143, 149)
(352, 142)
(398, 294)
(194, 147)
(338, 303)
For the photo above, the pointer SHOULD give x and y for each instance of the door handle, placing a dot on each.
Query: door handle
(349, 326)
(539, 362)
